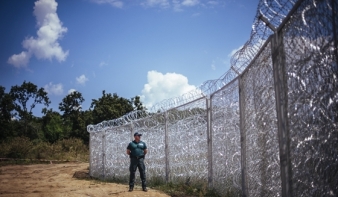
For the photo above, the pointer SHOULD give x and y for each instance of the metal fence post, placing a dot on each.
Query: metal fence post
(335, 28)
(243, 137)
(209, 142)
(90, 155)
(280, 83)
(131, 131)
(166, 148)
(104, 154)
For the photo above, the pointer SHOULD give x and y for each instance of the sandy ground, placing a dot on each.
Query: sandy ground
(59, 180)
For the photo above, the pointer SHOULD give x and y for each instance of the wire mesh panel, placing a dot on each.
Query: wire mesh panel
(226, 140)
(152, 129)
(96, 154)
(153, 134)
(260, 126)
(115, 145)
(311, 59)
(188, 141)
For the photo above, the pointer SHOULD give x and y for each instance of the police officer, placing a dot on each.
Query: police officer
(136, 151)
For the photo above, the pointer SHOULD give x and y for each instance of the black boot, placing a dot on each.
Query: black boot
(131, 189)
(144, 185)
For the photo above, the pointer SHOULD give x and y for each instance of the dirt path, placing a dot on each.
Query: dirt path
(57, 180)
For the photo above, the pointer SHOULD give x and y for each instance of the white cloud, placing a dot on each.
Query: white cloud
(153, 3)
(19, 60)
(71, 91)
(177, 6)
(190, 2)
(45, 45)
(56, 89)
(164, 86)
(114, 3)
(81, 80)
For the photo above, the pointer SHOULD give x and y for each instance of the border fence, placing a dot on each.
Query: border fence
(267, 127)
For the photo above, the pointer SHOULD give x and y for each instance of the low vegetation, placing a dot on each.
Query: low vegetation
(182, 189)
(21, 150)
(178, 188)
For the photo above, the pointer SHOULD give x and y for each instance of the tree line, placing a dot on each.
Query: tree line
(17, 118)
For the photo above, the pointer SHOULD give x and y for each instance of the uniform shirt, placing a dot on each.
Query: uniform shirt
(137, 149)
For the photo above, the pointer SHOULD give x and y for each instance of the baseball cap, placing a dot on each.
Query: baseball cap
(136, 133)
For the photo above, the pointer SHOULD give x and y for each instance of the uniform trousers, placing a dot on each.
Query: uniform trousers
(134, 164)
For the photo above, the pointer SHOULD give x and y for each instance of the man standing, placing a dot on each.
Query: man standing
(136, 151)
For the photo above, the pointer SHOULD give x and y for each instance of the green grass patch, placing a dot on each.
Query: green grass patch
(177, 188)
(186, 188)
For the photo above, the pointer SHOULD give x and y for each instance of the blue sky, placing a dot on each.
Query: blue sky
(157, 49)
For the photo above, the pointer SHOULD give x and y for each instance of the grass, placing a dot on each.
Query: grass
(177, 188)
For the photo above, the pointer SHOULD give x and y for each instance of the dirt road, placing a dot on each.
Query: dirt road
(57, 180)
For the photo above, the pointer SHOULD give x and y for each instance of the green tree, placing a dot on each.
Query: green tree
(52, 125)
(27, 94)
(138, 104)
(110, 107)
(73, 116)
(88, 118)
(6, 107)
(71, 104)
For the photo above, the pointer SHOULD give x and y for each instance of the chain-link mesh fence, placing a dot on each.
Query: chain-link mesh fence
(267, 127)
(311, 65)
(260, 127)
(226, 144)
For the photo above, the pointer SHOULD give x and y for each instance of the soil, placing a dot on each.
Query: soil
(67, 179)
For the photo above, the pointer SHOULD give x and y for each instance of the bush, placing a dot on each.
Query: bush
(67, 149)
(45, 150)
(75, 149)
(4, 149)
(18, 148)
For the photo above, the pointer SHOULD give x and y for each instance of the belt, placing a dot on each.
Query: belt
(137, 157)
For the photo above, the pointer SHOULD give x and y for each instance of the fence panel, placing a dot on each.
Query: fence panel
(116, 159)
(96, 154)
(260, 126)
(153, 134)
(226, 140)
(188, 141)
(313, 98)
